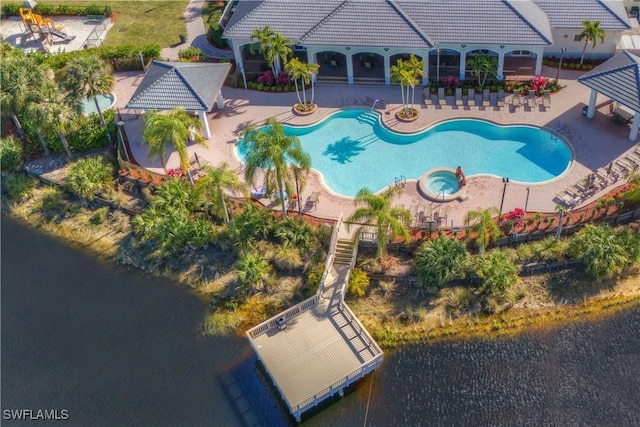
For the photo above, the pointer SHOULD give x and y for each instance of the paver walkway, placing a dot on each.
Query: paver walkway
(196, 35)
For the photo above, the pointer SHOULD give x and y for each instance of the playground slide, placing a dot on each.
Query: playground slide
(45, 26)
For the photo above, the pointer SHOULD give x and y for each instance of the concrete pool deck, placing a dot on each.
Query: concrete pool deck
(595, 142)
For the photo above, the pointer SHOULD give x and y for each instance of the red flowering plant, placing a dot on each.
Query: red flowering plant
(175, 172)
(282, 79)
(515, 218)
(266, 78)
(539, 83)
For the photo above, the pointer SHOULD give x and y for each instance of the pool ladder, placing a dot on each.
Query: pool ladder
(400, 181)
(374, 104)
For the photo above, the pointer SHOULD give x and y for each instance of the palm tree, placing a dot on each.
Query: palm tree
(591, 33)
(273, 151)
(440, 260)
(562, 210)
(400, 74)
(22, 81)
(416, 67)
(481, 222)
(252, 271)
(482, 65)
(215, 182)
(175, 128)
(377, 211)
(52, 115)
(604, 253)
(273, 46)
(87, 76)
(305, 73)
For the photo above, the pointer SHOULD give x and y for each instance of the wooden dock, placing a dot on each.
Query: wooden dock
(318, 347)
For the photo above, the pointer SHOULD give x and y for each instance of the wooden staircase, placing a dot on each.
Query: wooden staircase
(344, 252)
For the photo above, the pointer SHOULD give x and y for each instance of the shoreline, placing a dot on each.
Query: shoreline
(103, 241)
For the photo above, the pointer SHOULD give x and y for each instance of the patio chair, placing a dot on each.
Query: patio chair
(531, 99)
(441, 97)
(426, 94)
(546, 99)
(486, 101)
(567, 199)
(312, 201)
(500, 100)
(459, 100)
(471, 98)
(516, 101)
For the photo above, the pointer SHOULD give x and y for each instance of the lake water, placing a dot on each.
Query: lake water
(115, 347)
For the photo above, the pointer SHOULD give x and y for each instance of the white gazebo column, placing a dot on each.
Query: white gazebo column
(220, 101)
(463, 65)
(591, 111)
(205, 124)
(635, 125)
(500, 75)
(387, 70)
(237, 54)
(538, 63)
(349, 61)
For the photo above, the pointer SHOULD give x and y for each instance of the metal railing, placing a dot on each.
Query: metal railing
(287, 314)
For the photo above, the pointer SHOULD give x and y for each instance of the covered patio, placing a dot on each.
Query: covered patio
(619, 80)
(194, 86)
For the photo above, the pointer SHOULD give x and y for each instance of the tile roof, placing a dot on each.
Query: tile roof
(618, 79)
(570, 14)
(191, 85)
(406, 23)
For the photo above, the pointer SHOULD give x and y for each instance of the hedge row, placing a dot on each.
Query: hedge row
(121, 58)
(58, 10)
(215, 30)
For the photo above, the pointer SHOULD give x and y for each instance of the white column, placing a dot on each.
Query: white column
(591, 111)
(538, 63)
(220, 101)
(387, 69)
(349, 61)
(635, 125)
(237, 53)
(463, 65)
(500, 75)
(205, 124)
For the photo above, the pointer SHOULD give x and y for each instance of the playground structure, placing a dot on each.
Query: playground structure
(45, 27)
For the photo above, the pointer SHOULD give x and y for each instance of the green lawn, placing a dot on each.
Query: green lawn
(141, 22)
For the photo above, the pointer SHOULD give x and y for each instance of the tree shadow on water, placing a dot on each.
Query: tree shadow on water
(343, 150)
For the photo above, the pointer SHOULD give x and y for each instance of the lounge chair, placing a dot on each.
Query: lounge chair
(568, 199)
(516, 101)
(500, 100)
(441, 97)
(531, 99)
(259, 193)
(546, 99)
(426, 94)
(313, 199)
(471, 98)
(459, 100)
(486, 101)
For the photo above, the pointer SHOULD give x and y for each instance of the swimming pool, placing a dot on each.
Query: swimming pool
(352, 149)
(104, 101)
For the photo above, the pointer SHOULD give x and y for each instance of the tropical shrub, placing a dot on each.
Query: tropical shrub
(604, 252)
(498, 273)
(90, 176)
(437, 261)
(215, 30)
(459, 301)
(252, 272)
(121, 58)
(10, 154)
(190, 54)
(249, 226)
(451, 82)
(19, 186)
(313, 276)
(539, 83)
(294, 232)
(358, 282)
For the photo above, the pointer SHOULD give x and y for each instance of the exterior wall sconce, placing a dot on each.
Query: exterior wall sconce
(463, 46)
(348, 48)
(386, 49)
(501, 46)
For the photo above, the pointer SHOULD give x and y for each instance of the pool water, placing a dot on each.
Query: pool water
(104, 101)
(352, 149)
(443, 181)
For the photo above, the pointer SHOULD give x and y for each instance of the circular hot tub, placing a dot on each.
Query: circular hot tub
(441, 185)
(104, 102)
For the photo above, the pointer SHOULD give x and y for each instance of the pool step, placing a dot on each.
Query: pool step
(368, 117)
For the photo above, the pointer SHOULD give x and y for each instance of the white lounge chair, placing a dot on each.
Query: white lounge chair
(546, 99)
(516, 101)
(471, 98)
(531, 99)
(500, 100)
(427, 96)
(486, 101)
(459, 100)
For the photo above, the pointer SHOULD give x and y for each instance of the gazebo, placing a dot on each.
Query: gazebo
(619, 80)
(195, 86)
